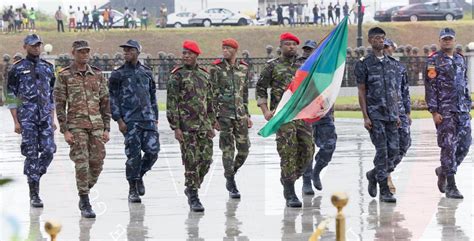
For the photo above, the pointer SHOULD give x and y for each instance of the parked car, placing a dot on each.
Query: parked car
(118, 19)
(448, 11)
(385, 15)
(219, 16)
(177, 20)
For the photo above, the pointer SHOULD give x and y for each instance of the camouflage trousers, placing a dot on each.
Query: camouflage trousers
(384, 136)
(325, 137)
(296, 149)
(141, 137)
(88, 153)
(37, 145)
(196, 153)
(404, 138)
(233, 133)
(454, 139)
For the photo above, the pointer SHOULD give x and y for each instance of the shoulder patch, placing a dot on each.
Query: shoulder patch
(217, 61)
(176, 69)
(244, 63)
(431, 72)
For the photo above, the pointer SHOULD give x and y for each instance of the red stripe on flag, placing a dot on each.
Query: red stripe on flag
(297, 80)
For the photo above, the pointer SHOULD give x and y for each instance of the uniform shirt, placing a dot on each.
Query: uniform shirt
(82, 99)
(189, 100)
(276, 75)
(133, 94)
(230, 88)
(30, 89)
(446, 84)
(380, 80)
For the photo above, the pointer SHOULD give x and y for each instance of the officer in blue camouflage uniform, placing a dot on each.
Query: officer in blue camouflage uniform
(30, 97)
(324, 135)
(133, 105)
(376, 76)
(404, 107)
(449, 101)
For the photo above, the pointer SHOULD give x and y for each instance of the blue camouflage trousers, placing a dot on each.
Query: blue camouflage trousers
(37, 145)
(454, 139)
(404, 138)
(384, 136)
(325, 137)
(140, 137)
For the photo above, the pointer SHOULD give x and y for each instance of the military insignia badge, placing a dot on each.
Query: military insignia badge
(432, 72)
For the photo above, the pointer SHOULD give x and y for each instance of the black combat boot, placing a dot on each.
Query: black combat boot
(307, 189)
(315, 175)
(232, 188)
(85, 207)
(133, 196)
(141, 187)
(292, 200)
(451, 189)
(385, 194)
(441, 179)
(194, 202)
(372, 188)
(35, 200)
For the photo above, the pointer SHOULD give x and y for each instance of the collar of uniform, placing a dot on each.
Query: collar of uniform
(444, 55)
(288, 60)
(131, 66)
(229, 65)
(190, 68)
(89, 70)
(34, 59)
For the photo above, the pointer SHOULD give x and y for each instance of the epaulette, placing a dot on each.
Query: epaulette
(203, 69)
(176, 69)
(44, 61)
(460, 54)
(391, 57)
(95, 68)
(432, 54)
(120, 67)
(244, 63)
(18, 61)
(271, 60)
(64, 69)
(217, 61)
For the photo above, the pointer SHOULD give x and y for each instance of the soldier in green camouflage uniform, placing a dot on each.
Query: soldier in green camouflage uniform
(85, 122)
(191, 115)
(230, 80)
(294, 140)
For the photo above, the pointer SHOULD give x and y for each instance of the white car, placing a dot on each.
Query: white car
(177, 20)
(273, 20)
(219, 16)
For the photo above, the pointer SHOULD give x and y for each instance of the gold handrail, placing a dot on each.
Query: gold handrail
(52, 228)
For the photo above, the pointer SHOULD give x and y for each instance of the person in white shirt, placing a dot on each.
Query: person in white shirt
(79, 17)
(306, 13)
(72, 18)
(322, 11)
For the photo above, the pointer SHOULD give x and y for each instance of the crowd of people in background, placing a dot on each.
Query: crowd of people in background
(319, 14)
(18, 19)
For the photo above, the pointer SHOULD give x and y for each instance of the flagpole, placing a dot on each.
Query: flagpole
(359, 24)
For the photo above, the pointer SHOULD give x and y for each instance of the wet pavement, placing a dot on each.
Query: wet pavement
(421, 213)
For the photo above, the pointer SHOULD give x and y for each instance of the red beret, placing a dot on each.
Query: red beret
(191, 46)
(230, 42)
(289, 36)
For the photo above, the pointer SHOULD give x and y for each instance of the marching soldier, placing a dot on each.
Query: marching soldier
(294, 140)
(134, 107)
(324, 136)
(404, 107)
(30, 100)
(376, 76)
(230, 79)
(449, 101)
(191, 116)
(85, 123)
